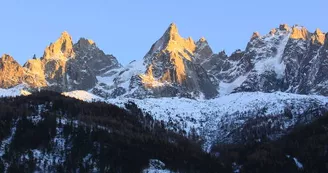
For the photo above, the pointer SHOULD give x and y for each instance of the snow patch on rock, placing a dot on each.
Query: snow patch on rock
(15, 91)
(82, 95)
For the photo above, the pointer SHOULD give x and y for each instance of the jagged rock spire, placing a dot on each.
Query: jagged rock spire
(61, 49)
(172, 31)
(318, 37)
(171, 41)
(273, 31)
(255, 35)
(203, 51)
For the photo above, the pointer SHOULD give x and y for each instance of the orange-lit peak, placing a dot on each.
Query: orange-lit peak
(61, 49)
(318, 31)
(299, 32)
(172, 31)
(173, 27)
(318, 37)
(176, 43)
(273, 31)
(64, 34)
(6, 57)
(64, 37)
(255, 35)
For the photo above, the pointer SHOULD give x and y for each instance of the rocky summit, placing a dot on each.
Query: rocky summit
(287, 59)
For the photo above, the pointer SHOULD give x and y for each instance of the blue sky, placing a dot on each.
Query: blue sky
(128, 28)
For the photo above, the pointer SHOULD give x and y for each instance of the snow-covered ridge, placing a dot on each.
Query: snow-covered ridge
(15, 91)
(82, 95)
(217, 118)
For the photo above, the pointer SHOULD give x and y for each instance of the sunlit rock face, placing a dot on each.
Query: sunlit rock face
(34, 75)
(54, 62)
(173, 50)
(170, 64)
(69, 66)
(11, 73)
(61, 49)
(318, 37)
(299, 33)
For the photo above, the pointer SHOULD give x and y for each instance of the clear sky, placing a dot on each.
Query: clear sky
(128, 28)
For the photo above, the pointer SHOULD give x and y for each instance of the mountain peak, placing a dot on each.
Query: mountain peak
(318, 31)
(85, 43)
(171, 41)
(318, 37)
(65, 34)
(202, 39)
(284, 27)
(255, 35)
(201, 42)
(203, 51)
(172, 28)
(6, 57)
(11, 73)
(172, 32)
(61, 49)
(299, 33)
(273, 31)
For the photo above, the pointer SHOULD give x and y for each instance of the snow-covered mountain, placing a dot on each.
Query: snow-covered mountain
(167, 70)
(288, 59)
(188, 86)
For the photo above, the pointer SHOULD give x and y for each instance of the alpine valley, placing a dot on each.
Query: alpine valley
(180, 108)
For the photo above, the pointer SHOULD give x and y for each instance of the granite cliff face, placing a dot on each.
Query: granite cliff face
(11, 73)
